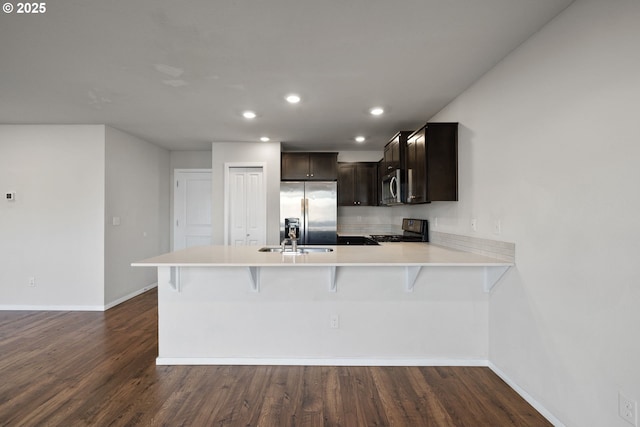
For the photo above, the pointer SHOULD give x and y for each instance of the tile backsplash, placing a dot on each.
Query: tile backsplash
(496, 249)
(365, 228)
(365, 220)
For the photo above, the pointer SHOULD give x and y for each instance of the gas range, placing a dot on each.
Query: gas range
(395, 238)
(413, 230)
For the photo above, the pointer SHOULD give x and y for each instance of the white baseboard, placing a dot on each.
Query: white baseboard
(526, 396)
(77, 307)
(129, 296)
(253, 361)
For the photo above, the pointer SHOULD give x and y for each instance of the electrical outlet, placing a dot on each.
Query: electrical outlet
(32, 282)
(474, 224)
(335, 321)
(628, 409)
(435, 222)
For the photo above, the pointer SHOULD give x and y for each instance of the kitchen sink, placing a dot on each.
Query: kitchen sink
(301, 250)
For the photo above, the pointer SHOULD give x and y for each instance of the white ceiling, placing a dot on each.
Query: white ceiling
(180, 73)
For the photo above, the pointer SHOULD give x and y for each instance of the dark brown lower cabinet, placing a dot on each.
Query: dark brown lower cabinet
(357, 184)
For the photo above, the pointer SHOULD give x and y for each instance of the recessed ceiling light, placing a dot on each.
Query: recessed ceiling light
(376, 111)
(249, 115)
(264, 139)
(293, 98)
(360, 138)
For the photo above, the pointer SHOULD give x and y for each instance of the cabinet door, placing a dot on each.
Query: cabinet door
(442, 161)
(346, 184)
(392, 154)
(323, 166)
(395, 152)
(387, 161)
(357, 184)
(366, 180)
(382, 171)
(416, 168)
(294, 166)
(306, 166)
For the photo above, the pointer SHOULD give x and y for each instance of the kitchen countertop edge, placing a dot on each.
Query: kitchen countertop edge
(406, 254)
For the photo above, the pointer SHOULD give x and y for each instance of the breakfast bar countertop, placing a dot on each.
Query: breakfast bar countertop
(386, 254)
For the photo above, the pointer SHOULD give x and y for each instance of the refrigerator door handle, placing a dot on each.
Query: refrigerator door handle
(304, 223)
(306, 220)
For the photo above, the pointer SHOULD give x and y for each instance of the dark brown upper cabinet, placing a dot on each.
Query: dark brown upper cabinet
(432, 164)
(302, 166)
(416, 173)
(357, 184)
(382, 171)
(394, 152)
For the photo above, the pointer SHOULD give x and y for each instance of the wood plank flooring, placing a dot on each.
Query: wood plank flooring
(98, 369)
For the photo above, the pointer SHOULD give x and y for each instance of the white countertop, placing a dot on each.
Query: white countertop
(386, 254)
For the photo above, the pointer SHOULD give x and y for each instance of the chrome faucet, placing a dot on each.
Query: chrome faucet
(292, 239)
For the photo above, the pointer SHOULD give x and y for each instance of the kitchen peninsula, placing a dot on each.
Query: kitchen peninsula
(393, 304)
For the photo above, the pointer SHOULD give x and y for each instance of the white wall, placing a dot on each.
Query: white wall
(238, 152)
(53, 231)
(137, 192)
(189, 160)
(360, 156)
(549, 146)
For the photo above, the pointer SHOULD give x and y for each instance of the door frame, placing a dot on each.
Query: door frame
(227, 169)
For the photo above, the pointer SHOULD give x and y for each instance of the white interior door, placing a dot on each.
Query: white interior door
(192, 208)
(247, 207)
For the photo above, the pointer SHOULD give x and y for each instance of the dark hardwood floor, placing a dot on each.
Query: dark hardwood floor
(98, 369)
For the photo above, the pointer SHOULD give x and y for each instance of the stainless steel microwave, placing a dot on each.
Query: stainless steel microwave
(392, 188)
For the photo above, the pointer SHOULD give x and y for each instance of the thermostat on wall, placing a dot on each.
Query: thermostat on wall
(11, 196)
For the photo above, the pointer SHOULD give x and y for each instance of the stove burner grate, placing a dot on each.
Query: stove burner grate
(395, 238)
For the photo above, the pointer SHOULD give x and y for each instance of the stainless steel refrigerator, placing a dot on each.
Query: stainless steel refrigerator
(311, 208)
